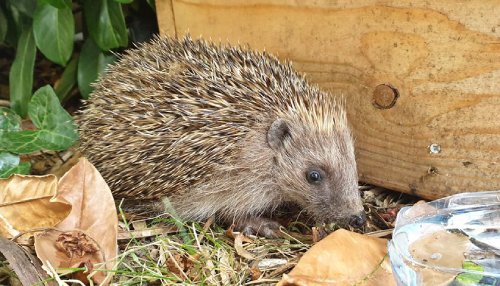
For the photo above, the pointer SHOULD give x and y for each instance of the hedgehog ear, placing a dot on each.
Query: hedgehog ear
(278, 133)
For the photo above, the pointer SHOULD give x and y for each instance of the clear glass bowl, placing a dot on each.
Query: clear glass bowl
(450, 241)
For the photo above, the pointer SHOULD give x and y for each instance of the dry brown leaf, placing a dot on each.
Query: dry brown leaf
(94, 213)
(60, 169)
(26, 202)
(230, 233)
(175, 264)
(343, 258)
(238, 245)
(434, 250)
(255, 273)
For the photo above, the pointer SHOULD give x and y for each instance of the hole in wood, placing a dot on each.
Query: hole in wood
(385, 96)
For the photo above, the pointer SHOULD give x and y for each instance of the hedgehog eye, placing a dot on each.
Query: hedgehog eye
(314, 177)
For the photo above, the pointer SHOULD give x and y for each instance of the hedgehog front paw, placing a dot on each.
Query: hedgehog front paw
(260, 226)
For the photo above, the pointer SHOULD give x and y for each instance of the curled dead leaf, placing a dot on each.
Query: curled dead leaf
(230, 233)
(62, 250)
(255, 273)
(92, 224)
(76, 243)
(238, 245)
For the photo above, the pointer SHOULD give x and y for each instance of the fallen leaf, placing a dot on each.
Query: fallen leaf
(318, 233)
(175, 264)
(27, 202)
(434, 250)
(76, 243)
(238, 245)
(94, 219)
(230, 233)
(255, 273)
(343, 258)
(59, 169)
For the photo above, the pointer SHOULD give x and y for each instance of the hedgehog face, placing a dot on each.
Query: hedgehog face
(317, 171)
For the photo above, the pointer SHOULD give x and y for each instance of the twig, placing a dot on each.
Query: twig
(380, 233)
(282, 269)
(21, 262)
(206, 226)
(478, 243)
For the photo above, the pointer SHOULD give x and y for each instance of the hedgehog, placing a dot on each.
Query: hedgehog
(220, 130)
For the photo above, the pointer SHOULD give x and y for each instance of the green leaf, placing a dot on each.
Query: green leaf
(3, 25)
(91, 64)
(57, 130)
(54, 32)
(55, 124)
(470, 278)
(68, 79)
(45, 110)
(27, 7)
(125, 1)
(17, 22)
(106, 23)
(23, 142)
(9, 164)
(60, 4)
(21, 73)
(9, 121)
(12, 35)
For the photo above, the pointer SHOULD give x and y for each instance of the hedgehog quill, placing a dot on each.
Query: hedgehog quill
(220, 130)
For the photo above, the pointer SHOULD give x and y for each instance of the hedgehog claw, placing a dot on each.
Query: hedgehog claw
(259, 226)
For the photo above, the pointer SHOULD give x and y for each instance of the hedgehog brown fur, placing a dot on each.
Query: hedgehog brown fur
(219, 129)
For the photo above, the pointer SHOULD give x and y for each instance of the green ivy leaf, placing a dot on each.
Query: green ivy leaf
(45, 110)
(3, 25)
(54, 32)
(57, 130)
(91, 64)
(9, 121)
(9, 164)
(60, 4)
(55, 124)
(21, 73)
(125, 1)
(27, 7)
(68, 79)
(106, 23)
(23, 142)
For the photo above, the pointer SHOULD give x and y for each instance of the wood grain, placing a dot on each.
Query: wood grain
(165, 15)
(441, 57)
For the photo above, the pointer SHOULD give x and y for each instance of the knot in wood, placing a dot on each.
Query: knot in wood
(384, 96)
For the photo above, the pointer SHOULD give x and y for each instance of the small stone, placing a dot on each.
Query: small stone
(436, 256)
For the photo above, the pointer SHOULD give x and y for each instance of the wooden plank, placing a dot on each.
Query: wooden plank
(442, 58)
(165, 15)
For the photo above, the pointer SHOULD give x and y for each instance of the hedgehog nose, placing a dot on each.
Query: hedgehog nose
(358, 220)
